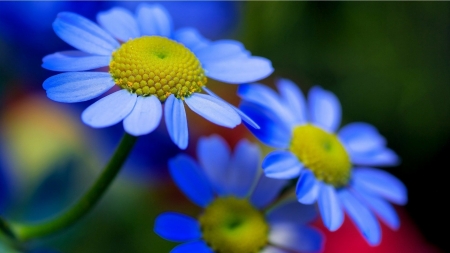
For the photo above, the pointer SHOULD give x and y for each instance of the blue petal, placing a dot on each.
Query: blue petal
(214, 110)
(243, 116)
(221, 50)
(191, 38)
(239, 71)
(83, 34)
(292, 212)
(246, 118)
(381, 207)
(282, 165)
(272, 131)
(77, 86)
(229, 175)
(380, 183)
(74, 61)
(330, 207)
(296, 238)
(294, 99)
(177, 227)
(109, 110)
(213, 154)
(307, 189)
(191, 180)
(120, 23)
(272, 249)
(243, 170)
(153, 19)
(192, 247)
(265, 97)
(362, 217)
(266, 190)
(145, 117)
(380, 157)
(361, 138)
(176, 121)
(324, 109)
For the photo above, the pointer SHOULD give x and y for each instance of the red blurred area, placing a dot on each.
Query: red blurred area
(407, 239)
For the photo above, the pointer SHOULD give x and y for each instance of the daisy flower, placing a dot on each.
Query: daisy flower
(150, 64)
(235, 198)
(334, 168)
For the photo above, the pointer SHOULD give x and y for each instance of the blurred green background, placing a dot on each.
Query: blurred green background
(388, 62)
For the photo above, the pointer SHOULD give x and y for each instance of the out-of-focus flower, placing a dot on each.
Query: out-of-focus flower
(334, 169)
(235, 198)
(154, 65)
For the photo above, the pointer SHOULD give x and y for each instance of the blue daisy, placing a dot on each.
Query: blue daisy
(150, 64)
(334, 168)
(236, 200)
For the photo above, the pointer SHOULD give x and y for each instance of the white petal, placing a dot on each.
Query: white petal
(153, 19)
(361, 137)
(74, 61)
(380, 183)
(109, 110)
(77, 86)
(307, 188)
(267, 98)
(83, 34)
(191, 38)
(213, 154)
(362, 217)
(237, 71)
(176, 121)
(272, 130)
(324, 109)
(272, 249)
(243, 116)
(381, 207)
(330, 207)
(222, 50)
(213, 110)
(296, 238)
(243, 169)
(145, 117)
(119, 22)
(294, 99)
(281, 165)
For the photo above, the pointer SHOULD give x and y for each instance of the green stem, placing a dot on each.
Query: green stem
(23, 232)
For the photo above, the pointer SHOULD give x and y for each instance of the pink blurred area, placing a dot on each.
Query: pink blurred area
(348, 239)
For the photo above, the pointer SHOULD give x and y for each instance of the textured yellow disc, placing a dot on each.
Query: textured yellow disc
(231, 225)
(322, 153)
(154, 65)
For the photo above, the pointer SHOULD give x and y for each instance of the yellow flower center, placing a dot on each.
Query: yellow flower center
(153, 65)
(322, 153)
(231, 225)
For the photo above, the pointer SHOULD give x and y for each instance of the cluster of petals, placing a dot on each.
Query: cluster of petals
(368, 191)
(224, 60)
(221, 173)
